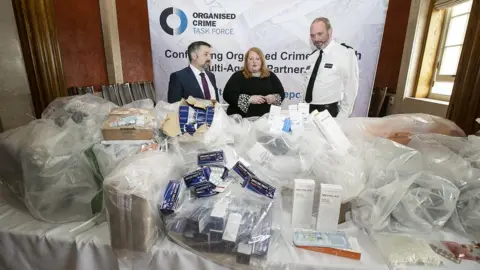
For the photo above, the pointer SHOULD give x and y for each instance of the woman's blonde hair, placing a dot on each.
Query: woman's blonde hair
(264, 72)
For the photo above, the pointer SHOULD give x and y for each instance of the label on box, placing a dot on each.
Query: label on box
(292, 107)
(215, 157)
(195, 178)
(304, 109)
(258, 186)
(172, 196)
(297, 120)
(275, 111)
(329, 207)
(331, 131)
(207, 193)
(204, 187)
(277, 123)
(243, 172)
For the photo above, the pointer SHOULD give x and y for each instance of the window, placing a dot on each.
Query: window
(448, 56)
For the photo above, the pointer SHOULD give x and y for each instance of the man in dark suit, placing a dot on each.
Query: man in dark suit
(194, 80)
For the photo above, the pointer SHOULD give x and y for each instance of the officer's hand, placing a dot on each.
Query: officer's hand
(257, 100)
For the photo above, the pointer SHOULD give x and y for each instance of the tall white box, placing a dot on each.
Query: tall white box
(303, 196)
(331, 130)
(329, 207)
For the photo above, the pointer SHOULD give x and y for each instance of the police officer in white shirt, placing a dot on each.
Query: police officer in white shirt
(331, 77)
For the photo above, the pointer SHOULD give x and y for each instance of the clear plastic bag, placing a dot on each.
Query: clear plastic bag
(390, 169)
(85, 110)
(238, 229)
(466, 218)
(471, 151)
(401, 251)
(400, 127)
(281, 156)
(132, 192)
(61, 179)
(345, 169)
(11, 143)
(442, 155)
(109, 156)
(227, 129)
(428, 204)
(163, 109)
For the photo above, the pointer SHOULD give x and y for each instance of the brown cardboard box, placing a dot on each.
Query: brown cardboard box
(131, 219)
(138, 131)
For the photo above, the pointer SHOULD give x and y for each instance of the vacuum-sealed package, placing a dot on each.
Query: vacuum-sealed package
(428, 203)
(390, 168)
(132, 194)
(237, 229)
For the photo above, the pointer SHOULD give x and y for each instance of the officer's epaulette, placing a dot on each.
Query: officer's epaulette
(346, 46)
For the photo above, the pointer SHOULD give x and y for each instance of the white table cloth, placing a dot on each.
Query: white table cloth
(29, 244)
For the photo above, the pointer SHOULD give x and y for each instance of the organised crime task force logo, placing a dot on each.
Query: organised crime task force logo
(183, 21)
(204, 23)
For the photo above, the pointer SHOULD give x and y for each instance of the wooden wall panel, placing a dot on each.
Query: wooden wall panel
(134, 32)
(79, 32)
(392, 44)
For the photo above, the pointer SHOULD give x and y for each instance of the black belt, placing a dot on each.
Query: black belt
(332, 108)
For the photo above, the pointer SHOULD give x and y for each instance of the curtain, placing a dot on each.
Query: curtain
(441, 4)
(464, 105)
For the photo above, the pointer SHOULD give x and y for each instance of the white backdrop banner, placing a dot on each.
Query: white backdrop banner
(280, 28)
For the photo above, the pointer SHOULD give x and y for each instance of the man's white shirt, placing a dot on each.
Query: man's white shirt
(197, 72)
(337, 78)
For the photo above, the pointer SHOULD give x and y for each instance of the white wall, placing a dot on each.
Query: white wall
(416, 31)
(15, 98)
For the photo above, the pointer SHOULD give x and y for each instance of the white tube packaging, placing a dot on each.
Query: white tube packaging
(329, 207)
(330, 129)
(303, 203)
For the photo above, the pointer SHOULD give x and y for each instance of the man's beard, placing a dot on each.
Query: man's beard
(323, 44)
(206, 65)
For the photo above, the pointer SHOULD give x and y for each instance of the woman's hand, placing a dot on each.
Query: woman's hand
(257, 100)
(271, 99)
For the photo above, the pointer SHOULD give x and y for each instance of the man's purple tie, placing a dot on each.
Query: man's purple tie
(206, 91)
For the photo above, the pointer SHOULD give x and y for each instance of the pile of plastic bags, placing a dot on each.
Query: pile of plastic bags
(56, 164)
(403, 173)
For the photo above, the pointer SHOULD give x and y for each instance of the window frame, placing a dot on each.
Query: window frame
(440, 52)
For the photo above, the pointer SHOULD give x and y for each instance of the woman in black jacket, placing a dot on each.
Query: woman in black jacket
(250, 91)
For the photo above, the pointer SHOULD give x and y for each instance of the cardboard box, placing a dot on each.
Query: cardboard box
(129, 124)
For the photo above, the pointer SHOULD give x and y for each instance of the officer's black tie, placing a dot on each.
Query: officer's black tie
(311, 82)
